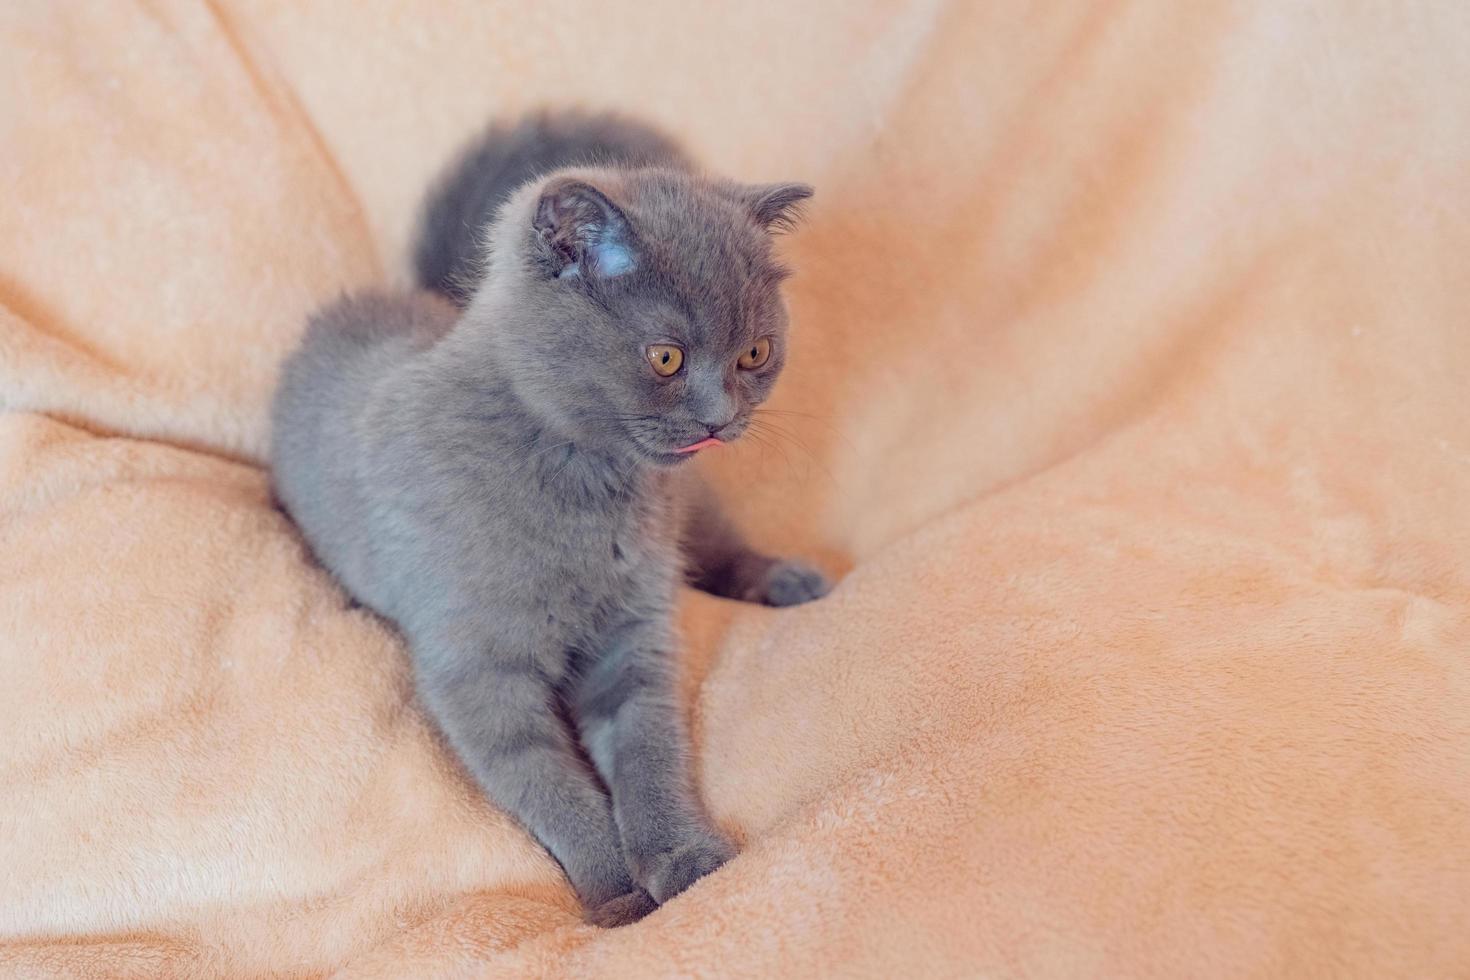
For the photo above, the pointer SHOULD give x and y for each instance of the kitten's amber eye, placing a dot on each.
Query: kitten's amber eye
(756, 354)
(666, 359)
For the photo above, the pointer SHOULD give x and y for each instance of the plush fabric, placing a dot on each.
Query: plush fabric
(1128, 396)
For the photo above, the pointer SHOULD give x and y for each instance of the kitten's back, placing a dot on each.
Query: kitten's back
(447, 256)
(350, 346)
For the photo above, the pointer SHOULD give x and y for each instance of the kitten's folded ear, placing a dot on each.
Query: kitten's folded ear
(775, 207)
(582, 233)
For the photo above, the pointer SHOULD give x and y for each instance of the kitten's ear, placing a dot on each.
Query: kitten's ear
(582, 232)
(775, 207)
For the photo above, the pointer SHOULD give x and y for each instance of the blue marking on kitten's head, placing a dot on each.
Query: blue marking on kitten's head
(585, 233)
(611, 259)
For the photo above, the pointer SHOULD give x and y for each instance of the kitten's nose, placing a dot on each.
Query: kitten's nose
(716, 429)
(714, 408)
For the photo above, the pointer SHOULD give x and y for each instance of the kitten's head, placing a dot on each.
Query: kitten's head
(640, 311)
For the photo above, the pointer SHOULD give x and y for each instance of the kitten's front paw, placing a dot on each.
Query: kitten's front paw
(789, 583)
(622, 910)
(668, 873)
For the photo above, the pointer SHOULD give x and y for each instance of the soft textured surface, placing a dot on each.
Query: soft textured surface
(1131, 370)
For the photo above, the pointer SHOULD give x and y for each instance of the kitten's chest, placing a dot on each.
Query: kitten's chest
(641, 548)
(615, 561)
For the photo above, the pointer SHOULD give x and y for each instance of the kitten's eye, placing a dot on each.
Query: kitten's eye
(756, 354)
(665, 358)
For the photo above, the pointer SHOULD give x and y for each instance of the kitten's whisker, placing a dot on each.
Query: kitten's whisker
(771, 438)
(760, 439)
(792, 437)
(558, 471)
(824, 420)
(784, 431)
(778, 435)
(787, 411)
(528, 460)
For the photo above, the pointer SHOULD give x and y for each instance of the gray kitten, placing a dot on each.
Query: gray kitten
(496, 470)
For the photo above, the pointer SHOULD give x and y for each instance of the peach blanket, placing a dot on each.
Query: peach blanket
(1129, 394)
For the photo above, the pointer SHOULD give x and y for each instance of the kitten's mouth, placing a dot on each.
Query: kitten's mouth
(683, 454)
(695, 447)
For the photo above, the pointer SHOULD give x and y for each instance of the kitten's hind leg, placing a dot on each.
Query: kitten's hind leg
(496, 712)
(633, 729)
(721, 563)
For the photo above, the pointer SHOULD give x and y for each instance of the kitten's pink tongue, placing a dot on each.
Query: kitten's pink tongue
(701, 444)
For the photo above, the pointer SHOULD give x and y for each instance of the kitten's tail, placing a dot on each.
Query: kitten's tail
(448, 256)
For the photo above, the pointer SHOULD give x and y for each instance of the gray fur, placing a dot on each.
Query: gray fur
(499, 481)
(463, 203)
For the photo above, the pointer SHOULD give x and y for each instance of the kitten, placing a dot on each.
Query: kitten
(495, 467)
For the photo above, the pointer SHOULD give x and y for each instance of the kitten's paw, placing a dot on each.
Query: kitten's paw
(622, 910)
(670, 872)
(789, 583)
